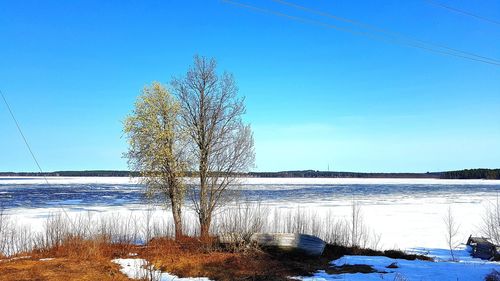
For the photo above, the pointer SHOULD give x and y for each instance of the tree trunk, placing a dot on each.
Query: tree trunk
(177, 214)
(204, 215)
(205, 226)
(176, 200)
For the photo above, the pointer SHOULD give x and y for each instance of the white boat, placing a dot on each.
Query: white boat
(308, 244)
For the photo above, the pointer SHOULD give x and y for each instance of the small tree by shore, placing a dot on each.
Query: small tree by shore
(452, 229)
(157, 147)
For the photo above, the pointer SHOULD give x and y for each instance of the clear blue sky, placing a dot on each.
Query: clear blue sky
(316, 97)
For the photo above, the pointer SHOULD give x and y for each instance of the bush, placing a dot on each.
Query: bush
(491, 222)
(493, 276)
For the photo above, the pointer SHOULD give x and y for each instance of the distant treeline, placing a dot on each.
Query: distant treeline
(324, 174)
(93, 173)
(490, 174)
(461, 174)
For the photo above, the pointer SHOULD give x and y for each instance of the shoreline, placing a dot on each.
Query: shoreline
(250, 180)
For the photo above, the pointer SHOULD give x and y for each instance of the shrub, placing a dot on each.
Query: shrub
(493, 276)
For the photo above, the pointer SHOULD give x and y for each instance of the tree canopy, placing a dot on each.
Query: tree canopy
(157, 146)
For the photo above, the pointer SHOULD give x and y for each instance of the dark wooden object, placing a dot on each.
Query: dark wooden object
(482, 248)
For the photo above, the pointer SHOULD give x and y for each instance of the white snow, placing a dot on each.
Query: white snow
(315, 181)
(140, 269)
(402, 224)
(404, 220)
(68, 180)
(465, 269)
(16, 258)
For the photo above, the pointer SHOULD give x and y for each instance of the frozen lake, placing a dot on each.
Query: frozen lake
(406, 213)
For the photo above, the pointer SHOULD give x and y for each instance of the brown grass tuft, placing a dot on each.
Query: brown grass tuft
(74, 259)
(60, 269)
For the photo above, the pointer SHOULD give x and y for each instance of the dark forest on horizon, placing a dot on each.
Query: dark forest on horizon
(459, 174)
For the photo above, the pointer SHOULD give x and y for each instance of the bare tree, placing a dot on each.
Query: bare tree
(157, 147)
(359, 232)
(5, 226)
(221, 143)
(491, 222)
(452, 229)
(355, 224)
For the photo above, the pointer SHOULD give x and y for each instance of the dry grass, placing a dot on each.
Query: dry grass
(74, 259)
(190, 257)
(80, 259)
(60, 269)
(83, 249)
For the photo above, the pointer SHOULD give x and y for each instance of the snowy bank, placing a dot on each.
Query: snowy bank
(465, 268)
(251, 181)
(140, 269)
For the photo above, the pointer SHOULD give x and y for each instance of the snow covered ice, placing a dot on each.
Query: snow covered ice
(407, 213)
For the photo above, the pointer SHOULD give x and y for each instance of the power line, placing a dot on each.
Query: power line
(460, 11)
(32, 154)
(24, 138)
(370, 35)
(381, 30)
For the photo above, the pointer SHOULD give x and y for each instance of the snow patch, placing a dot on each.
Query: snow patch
(16, 258)
(465, 269)
(139, 269)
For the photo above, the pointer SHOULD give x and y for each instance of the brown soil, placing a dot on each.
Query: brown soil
(355, 268)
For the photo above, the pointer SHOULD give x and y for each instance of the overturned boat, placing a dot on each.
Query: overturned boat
(307, 244)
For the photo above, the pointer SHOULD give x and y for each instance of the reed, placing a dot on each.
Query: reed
(240, 219)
